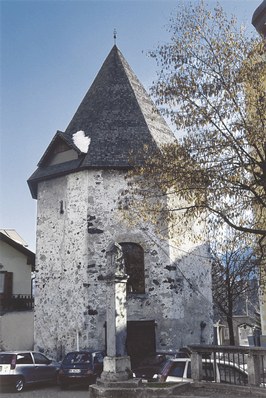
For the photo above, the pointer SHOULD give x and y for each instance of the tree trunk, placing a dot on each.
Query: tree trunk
(231, 329)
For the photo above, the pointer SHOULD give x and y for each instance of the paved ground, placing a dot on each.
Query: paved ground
(188, 391)
(46, 392)
(219, 391)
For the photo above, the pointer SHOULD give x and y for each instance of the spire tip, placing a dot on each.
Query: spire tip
(115, 35)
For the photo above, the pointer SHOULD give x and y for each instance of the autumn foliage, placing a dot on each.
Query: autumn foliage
(210, 86)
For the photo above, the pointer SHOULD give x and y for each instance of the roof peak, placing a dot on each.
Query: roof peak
(117, 117)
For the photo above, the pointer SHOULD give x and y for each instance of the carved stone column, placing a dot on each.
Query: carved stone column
(116, 366)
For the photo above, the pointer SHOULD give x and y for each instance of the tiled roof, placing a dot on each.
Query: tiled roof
(119, 118)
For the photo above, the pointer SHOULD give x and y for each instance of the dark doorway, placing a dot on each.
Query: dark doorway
(140, 340)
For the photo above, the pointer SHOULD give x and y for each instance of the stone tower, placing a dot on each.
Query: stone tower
(78, 186)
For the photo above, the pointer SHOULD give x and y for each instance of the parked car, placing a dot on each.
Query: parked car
(80, 367)
(149, 366)
(20, 368)
(179, 370)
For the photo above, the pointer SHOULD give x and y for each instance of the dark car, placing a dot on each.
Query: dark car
(80, 367)
(20, 368)
(150, 365)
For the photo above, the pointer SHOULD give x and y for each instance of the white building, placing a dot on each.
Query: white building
(16, 302)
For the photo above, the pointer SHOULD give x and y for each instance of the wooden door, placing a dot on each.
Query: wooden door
(140, 340)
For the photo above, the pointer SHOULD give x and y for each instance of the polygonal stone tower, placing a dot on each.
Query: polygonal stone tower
(78, 184)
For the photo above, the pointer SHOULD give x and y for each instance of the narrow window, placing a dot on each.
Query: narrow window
(6, 287)
(2, 282)
(6, 284)
(134, 263)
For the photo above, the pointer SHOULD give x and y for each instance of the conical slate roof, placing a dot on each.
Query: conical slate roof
(116, 120)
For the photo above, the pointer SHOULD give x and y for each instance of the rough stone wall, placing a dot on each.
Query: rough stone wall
(78, 218)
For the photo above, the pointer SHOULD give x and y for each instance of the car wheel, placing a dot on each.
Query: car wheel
(20, 384)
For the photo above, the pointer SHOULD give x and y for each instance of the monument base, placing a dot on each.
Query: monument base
(116, 369)
(117, 389)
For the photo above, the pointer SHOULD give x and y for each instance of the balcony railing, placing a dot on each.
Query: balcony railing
(230, 364)
(16, 302)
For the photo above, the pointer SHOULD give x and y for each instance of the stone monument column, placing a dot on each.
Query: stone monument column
(116, 366)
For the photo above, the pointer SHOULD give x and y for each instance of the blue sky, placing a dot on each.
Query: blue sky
(51, 50)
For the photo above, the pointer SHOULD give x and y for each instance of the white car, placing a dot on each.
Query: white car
(179, 370)
(20, 368)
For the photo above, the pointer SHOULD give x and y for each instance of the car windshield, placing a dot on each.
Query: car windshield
(6, 358)
(77, 357)
(177, 369)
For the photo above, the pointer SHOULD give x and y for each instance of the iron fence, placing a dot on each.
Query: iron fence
(229, 364)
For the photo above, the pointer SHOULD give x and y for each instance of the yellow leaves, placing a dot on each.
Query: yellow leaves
(210, 83)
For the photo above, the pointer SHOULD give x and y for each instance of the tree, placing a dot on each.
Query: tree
(209, 86)
(234, 274)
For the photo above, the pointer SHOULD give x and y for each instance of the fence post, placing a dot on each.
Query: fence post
(253, 363)
(196, 366)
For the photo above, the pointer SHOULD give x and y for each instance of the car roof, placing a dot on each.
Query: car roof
(210, 361)
(18, 352)
(84, 351)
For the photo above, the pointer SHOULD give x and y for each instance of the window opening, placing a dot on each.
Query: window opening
(134, 264)
(23, 359)
(2, 282)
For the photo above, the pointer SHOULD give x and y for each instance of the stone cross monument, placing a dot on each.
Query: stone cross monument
(116, 366)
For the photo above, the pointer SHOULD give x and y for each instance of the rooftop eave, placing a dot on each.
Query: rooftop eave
(39, 175)
(259, 19)
(22, 249)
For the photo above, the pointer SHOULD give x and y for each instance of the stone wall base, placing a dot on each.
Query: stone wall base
(123, 389)
(116, 369)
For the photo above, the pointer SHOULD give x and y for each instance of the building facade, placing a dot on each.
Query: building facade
(79, 186)
(17, 263)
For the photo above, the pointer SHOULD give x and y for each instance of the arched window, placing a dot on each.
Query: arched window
(134, 263)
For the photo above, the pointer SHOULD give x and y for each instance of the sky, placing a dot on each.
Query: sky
(51, 51)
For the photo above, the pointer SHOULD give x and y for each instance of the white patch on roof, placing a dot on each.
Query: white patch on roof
(81, 141)
(12, 234)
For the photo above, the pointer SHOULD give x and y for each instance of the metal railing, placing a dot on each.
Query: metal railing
(16, 302)
(229, 364)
